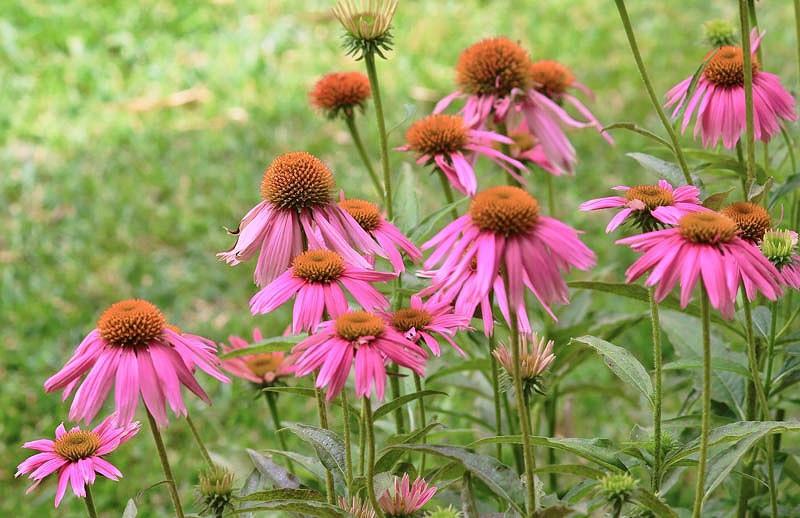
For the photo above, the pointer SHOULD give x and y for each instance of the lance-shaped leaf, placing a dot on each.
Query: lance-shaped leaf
(267, 345)
(396, 403)
(328, 445)
(598, 451)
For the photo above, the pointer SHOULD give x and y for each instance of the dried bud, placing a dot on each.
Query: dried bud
(535, 357)
(779, 246)
(719, 33)
(216, 489)
(367, 24)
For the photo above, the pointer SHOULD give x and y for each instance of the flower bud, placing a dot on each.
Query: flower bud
(367, 24)
(719, 33)
(216, 489)
(779, 246)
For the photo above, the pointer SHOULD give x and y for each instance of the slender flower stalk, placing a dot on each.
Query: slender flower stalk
(421, 416)
(322, 411)
(89, 501)
(522, 408)
(372, 73)
(705, 317)
(498, 416)
(657, 362)
(366, 417)
(362, 152)
(276, 422)
(162, 456)
(348, 454)
(750, 138)
(201, 446)
(773, 490)
(676, 148)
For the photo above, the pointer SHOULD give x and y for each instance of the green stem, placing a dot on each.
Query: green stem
(744, 19)
(372, 73)
(162, 455)
(394, 384)
(89, 501)
(676, 148)
(362, 152)
(498, 416)
(366, 417)
(271, 398)
(199, 441)
(706, 417)
(740, 157)
(551, 194)
(552, 422)
(797, 32)
(773, 307)
(522, 408)
(512, 430)
(348, 454)
(655, 326)
(422, 421)
(753, 358)
(789, 321)
(330, 491)
(448, 193)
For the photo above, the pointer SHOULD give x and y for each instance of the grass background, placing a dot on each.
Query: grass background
(107, 192)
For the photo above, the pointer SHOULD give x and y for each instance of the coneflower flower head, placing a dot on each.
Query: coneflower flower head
(216, 489)
(423, 321)
(494, 66)
(752, 220)
(134, 350)
(649, 207)
(617, 487)
(719, 33)
(404, 499)
(445, 512)
(297, 212)
(340, 93)
(76, 456)
(261, 369)
(356, 508)
(367, 25)
(390, 240)
(719, 99)
(535, 357)
(450, 144)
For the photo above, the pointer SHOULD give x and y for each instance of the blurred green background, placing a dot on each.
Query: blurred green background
(131, 133)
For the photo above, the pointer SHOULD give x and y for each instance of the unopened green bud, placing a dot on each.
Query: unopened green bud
(216, 489)
(719, 33)
(617, 487)
(779, 246)
(445, 512)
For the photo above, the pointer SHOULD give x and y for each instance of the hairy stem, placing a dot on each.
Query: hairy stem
(162, 456)
(750, 140)
(348, 454)
(394, 384)
(372, 73)
(89, 501)
(676, 148)
(522, 408)
(498, 416)
(199, 441)
(362, 152)
(448, 193)
(366, 416)
(655, 326)
(706, 417)
(421, 413)
(322, 410)
(271, 398)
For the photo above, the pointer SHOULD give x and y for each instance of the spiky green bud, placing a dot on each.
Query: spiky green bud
(445, 512)
(367, 25)
(719, 33)
(617, 487)
(216, 489)
(779, 246)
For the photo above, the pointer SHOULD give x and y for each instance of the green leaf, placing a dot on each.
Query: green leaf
(328, 445)
(717, 363)
(428, 223)
(130, 509)
(636, 292)
(631, 126)
(388, 458)
(572, 469)
(270, 495)
(306, 507)
(403, 400)
(666, 170)
(406, 199)
(716, 200)
(498, 477)
(790, 185)
(595, 450)
(277, 475)
(757, 191)
(477, 364)
(267, 345)
(650, 501)
(622, 363)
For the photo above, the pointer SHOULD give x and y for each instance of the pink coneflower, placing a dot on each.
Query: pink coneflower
(704, 246)
(406, 499)
(359, 336)
(388, 237)
(297, 201)
(76, 455)
(780, 247)
(495, 77)
(263, 369)
(316, 280)
(135, 350)
(503, 229)
(447, 142)
(718, 99)
(649, 206)
(554, 80)
(527, 149)
(535, 357)
(751, 219)
(340, 93)
(422, 320)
